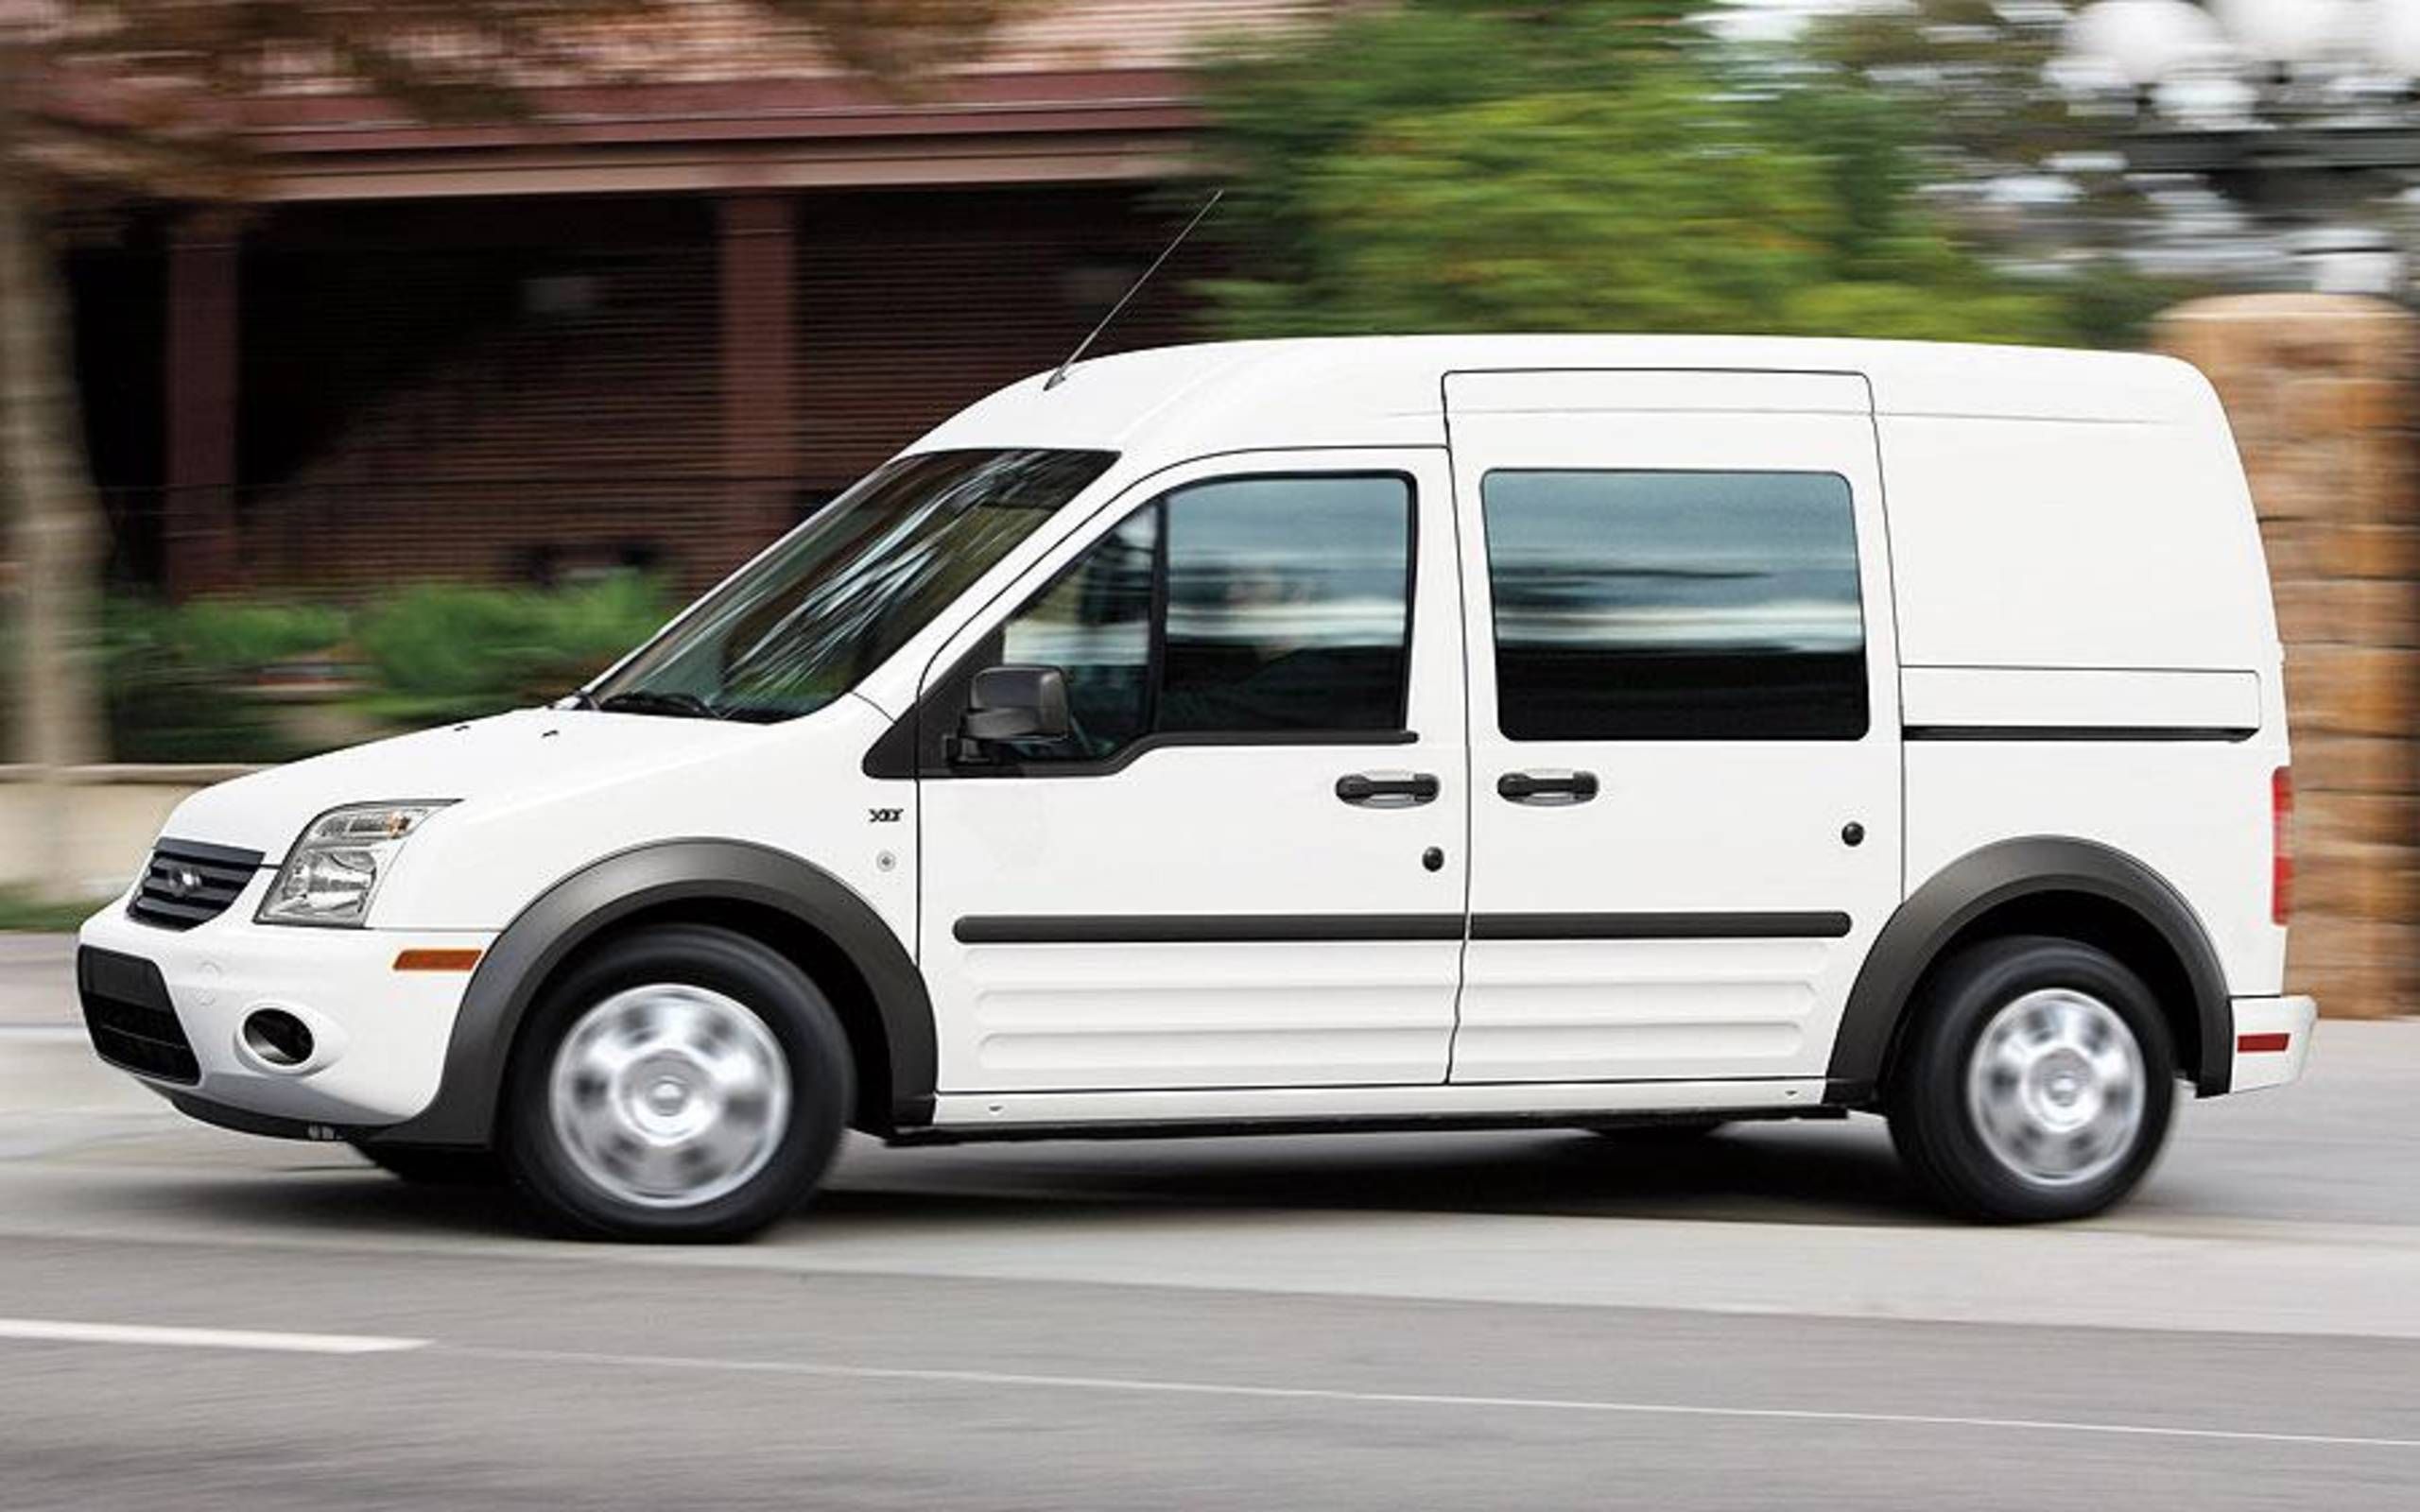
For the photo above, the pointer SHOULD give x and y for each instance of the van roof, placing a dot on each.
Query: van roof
(1388, 390)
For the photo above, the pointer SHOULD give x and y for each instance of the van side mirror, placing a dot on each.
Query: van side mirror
(1013, 703)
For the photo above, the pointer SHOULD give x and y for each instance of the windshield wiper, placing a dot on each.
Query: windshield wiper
(646, 701)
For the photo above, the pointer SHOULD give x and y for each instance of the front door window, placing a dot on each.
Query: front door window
(1222, 610)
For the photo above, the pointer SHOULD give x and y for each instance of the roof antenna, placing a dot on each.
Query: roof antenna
(1116, 310)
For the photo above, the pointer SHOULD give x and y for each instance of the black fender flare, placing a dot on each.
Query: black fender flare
(2002, 872)
(647, 876)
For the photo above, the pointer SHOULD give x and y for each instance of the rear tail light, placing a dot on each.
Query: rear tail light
(2281, 845)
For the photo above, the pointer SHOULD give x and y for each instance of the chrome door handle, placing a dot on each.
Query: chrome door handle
(1387, 790)
(1548, 789)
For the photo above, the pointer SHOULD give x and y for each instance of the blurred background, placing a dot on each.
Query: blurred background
(371, 363)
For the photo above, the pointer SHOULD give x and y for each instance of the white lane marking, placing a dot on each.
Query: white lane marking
(1422, 1398)
(48, 1331)
(52, 1331)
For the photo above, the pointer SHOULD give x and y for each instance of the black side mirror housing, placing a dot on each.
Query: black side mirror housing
(1015, 703)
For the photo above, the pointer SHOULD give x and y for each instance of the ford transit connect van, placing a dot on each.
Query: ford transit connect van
(1371, 733)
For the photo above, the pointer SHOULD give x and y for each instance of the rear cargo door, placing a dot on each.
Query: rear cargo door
(1684, 720)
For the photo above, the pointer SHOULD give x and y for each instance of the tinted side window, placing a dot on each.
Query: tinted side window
(1250, 606)
(1094, 623)
(1288, 605)
(1675, 606)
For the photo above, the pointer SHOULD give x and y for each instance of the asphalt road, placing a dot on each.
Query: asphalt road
(193, 1319)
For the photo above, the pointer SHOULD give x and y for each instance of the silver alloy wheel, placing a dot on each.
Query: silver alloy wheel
(2057, 1087)
(670, 1095)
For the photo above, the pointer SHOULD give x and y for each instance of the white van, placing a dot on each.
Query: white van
(1346, 734)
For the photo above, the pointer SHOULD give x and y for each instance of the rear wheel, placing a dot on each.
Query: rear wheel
(2039, 1083)
(683, 1083)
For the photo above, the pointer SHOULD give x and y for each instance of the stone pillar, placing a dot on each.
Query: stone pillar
(197, 515)
(2324, 393)
(759, 364)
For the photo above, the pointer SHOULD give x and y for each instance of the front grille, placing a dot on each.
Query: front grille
(189, 883)
(128, 1013)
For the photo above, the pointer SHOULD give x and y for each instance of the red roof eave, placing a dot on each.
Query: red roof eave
(741, 110)
(1000, 128)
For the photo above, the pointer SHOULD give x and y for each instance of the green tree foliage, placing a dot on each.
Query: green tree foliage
(1456, 165)
(1976, 70)
(1978, 74)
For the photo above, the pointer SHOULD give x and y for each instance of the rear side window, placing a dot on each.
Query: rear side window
(1675, 606)
(1245, 606)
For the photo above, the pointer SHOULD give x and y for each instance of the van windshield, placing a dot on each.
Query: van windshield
(803, 624)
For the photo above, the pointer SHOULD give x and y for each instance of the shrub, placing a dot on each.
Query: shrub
(447, 651)
(176, 677)
(250, 636)
(179, 679)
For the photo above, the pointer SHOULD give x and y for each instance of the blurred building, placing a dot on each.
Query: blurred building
(648, 324)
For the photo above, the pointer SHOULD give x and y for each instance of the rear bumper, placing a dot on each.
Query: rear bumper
(2272, 1041)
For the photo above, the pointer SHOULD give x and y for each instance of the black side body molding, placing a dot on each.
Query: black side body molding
(1193, 929)
(2230, 734)
(2001, 873)
(648, 876)
(1660, 926)
(1196, 929)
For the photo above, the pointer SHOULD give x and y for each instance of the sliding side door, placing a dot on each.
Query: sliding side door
(1684, 731)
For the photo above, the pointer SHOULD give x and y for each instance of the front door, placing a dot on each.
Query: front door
(1245, 867)
(1684, 731)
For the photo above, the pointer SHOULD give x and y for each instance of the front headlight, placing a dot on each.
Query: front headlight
(332, 872)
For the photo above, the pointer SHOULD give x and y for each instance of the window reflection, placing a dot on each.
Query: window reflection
(1705, 606)
(830, 603)
(1286, 605)
(1095, 624)
(1237, 607)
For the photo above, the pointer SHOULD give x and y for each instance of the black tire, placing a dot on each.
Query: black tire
(1934, 1123)
(435, 1165)
(812, 1043)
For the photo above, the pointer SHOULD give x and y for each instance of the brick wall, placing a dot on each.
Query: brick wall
(2324, 396)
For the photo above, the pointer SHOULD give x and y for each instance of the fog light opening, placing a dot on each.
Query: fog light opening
(278, 1037)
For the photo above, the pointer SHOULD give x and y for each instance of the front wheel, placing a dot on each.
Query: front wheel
(2038, 1085)
(682, 1083)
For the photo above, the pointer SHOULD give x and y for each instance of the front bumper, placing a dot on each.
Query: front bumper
(379, 1035)
(2271, 1041)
